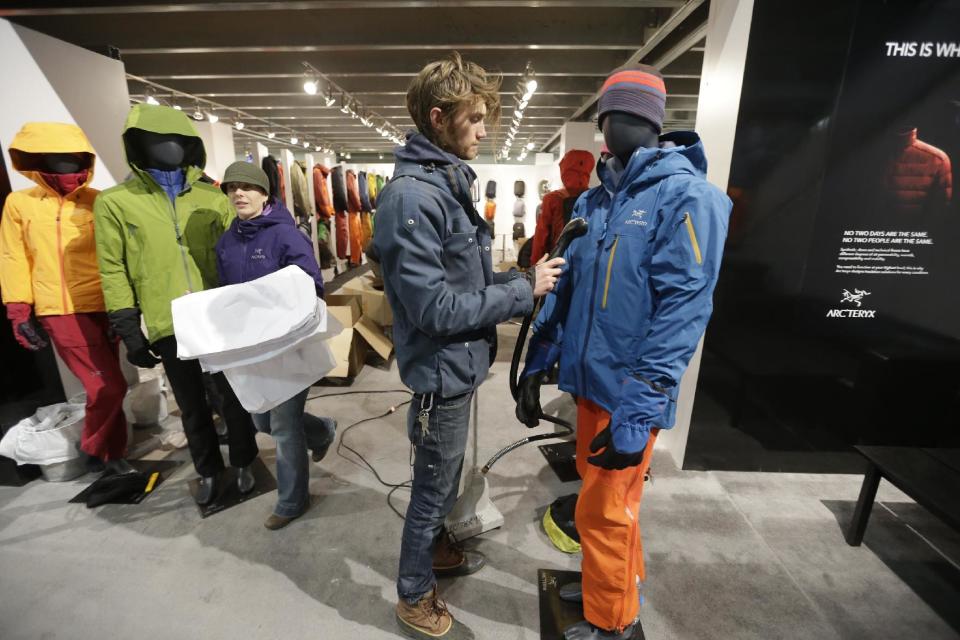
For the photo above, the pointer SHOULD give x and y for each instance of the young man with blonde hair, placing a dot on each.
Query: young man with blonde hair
(435, 253)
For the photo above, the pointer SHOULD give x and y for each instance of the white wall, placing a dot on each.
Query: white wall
(728, 31)
(48, 80)
(218, 143)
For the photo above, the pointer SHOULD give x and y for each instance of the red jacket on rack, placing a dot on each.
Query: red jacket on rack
(575, 169)
(321, 192)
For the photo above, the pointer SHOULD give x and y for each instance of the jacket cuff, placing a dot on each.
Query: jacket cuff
(642, 404)
(541, 356)
(523, 295)
(18, 312)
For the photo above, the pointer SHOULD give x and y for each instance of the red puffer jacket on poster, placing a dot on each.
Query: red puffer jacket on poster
(918, 178)
(575, 168)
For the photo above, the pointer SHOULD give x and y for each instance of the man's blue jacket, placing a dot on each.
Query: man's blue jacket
(437, 270)
(628, 313)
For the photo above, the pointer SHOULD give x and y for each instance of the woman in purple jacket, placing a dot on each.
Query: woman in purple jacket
(262, 239)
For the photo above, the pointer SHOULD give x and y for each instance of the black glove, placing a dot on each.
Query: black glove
(610, 458)
(126, 323)
(528, 399)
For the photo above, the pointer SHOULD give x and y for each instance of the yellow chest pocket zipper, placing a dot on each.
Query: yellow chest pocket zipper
(688, 221)
(606, 282)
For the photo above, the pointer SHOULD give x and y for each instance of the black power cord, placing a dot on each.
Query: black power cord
(393, 486)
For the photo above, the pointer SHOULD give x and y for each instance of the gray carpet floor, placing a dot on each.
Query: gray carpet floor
(729, 555)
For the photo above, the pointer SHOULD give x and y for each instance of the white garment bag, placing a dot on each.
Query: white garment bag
(268, 336)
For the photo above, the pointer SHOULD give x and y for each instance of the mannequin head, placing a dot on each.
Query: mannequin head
(623, 133)
(165, 151)
(64, 162)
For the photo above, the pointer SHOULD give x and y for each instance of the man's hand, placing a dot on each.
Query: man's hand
(545, 274)
(610, 458)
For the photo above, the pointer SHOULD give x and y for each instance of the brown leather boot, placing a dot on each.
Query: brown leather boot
(427, 618)
(450, 559)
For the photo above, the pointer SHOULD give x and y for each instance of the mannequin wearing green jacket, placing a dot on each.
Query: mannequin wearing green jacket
(155, 237)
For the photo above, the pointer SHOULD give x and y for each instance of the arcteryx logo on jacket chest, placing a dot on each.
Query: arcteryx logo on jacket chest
(258, 254)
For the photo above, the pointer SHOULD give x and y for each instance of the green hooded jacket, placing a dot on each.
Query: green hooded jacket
(149, 249)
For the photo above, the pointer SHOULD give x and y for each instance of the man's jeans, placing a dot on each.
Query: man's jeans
(439, 450)
(294, 431)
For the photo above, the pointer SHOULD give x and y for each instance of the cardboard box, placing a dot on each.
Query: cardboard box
(349, 347)
(373, 302)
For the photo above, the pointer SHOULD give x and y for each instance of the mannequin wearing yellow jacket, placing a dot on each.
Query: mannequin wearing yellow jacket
(49, 274)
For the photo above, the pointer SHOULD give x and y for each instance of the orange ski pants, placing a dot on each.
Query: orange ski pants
(608, 522)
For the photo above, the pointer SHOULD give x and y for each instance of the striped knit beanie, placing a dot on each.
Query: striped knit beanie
(636, 90)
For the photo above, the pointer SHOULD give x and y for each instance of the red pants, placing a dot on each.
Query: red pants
(608, 522)
(92, 355)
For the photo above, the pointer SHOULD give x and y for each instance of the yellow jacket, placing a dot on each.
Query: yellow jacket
(48, 256)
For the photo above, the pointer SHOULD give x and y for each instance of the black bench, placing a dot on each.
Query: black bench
(930, 476)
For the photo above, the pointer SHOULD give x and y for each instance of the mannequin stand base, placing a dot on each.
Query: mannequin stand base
(562, 458)
(164, 469)
(555, 614)
(229, 494)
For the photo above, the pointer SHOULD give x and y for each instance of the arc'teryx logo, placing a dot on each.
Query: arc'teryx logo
(853, 298)
(636, 217)
(856, 297)
(258, 255)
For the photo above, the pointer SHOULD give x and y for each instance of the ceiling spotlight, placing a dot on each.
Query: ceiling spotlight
(523, 104)
(529, 146)
(329, 99)
(271, 135)
(310, 86)
(178, 107)
(318, 148)
(212, 117)
(239, 125)
(532, 86)
(306, 145)
(294, 140)
(380, 156)
(508, 143)
(197, 114)
(345, 108)
(347, 155)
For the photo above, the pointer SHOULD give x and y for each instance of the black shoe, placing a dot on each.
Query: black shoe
(208, 490)
(245, 480)
(585, 631)
(93, 464)
(571, 592)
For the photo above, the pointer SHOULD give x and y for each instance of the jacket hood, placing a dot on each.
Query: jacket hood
(679, 152)
(427, 162)
(575, 168)
(275, 213)
(37, 138)
(160, 119)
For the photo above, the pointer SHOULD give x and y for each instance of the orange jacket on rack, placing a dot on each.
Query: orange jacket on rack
(353, 211)
(321, 192)
(48, 256)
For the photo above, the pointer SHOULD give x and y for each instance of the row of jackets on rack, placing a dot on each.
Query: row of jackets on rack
(347, 197)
